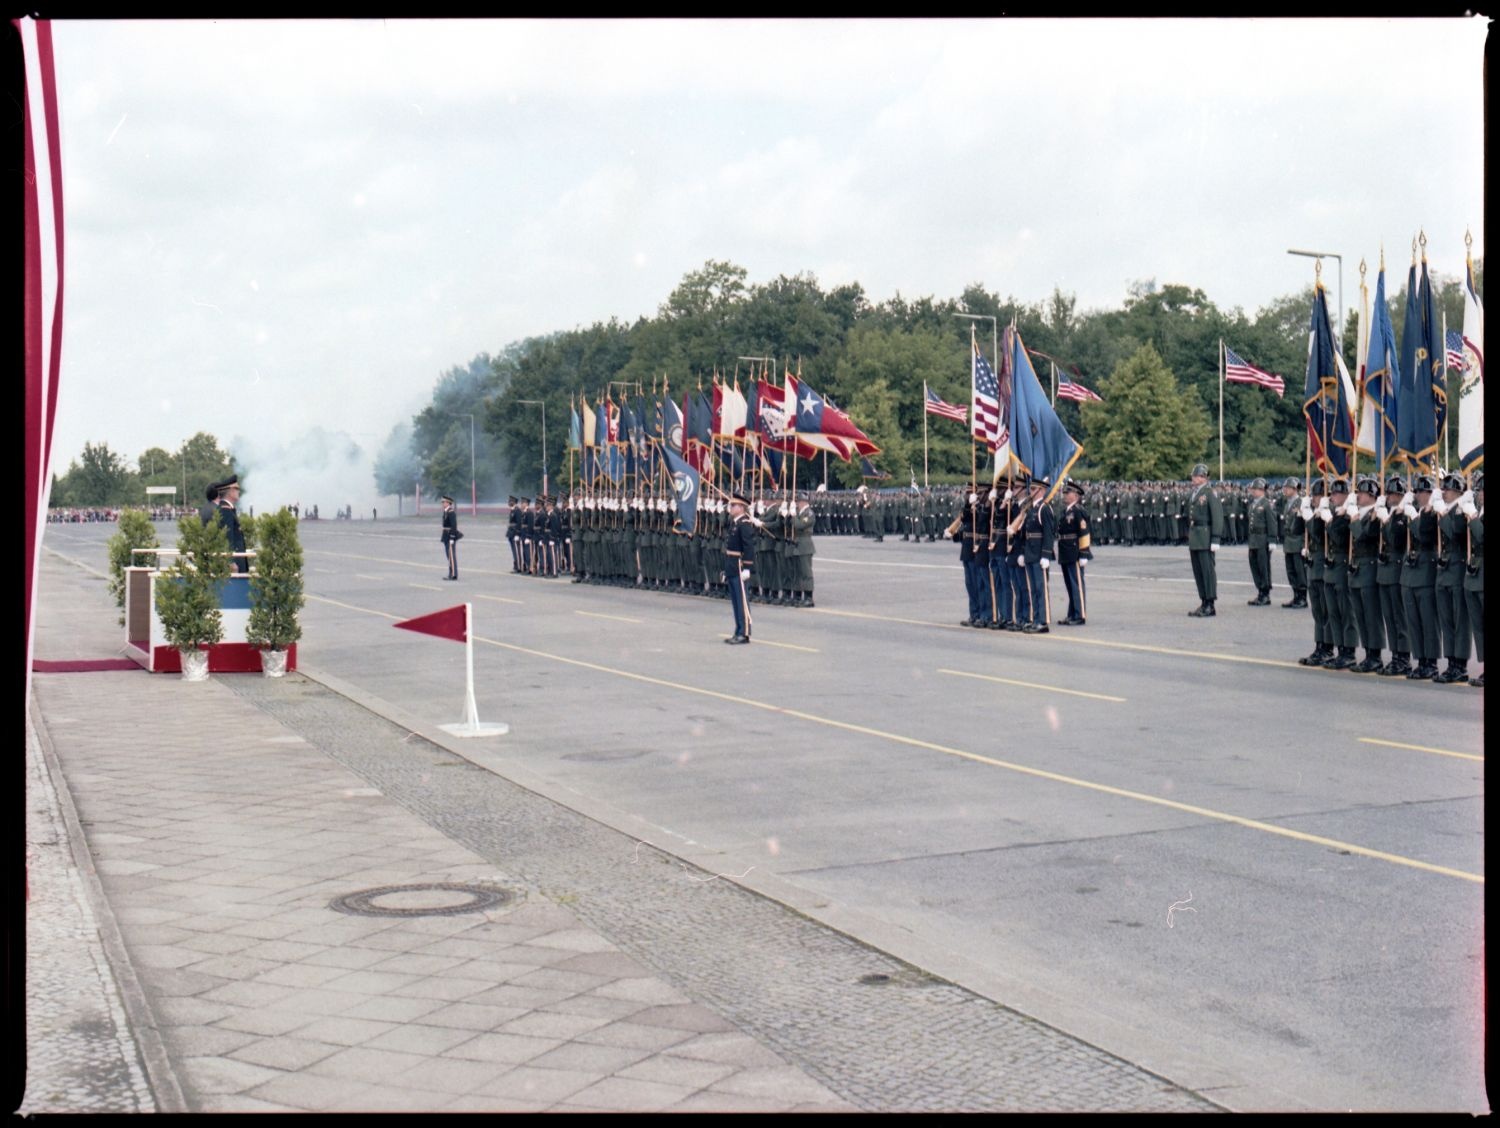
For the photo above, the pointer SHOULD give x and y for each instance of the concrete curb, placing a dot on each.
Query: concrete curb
(1168, 1062)
(148, 1042)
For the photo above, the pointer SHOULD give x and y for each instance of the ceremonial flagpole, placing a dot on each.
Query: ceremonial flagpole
(1221, 409)
(924, 437)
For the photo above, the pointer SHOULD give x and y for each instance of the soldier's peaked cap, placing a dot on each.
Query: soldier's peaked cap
(1339, 485)
(1370, 486)
(1319, 487)
(739, 499)
(1072, 485)
(1199, 471)
(1395, 484)
(1258, 484)
(1452, 481)
(1421, 484)
(1291, 483)
(448, 499)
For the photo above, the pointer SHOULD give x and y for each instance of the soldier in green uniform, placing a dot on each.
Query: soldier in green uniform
(1315, 553)
(1391, 556)
(1419, 577)
(1336, 576)
(1261, 531)
(1472, 508)
(1207, 517)
(1293, 539)
(799, 525)
(1364, 568)
(1453, 614)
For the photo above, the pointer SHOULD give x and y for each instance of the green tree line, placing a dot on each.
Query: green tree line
(101, 477)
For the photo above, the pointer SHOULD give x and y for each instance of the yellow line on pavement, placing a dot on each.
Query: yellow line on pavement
(1021, 769)
(1033, 685)
(1053, 637)
(1421, 748)
(599, 615)
(784, 645)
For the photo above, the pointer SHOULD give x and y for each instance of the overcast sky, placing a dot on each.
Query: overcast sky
(282, 233)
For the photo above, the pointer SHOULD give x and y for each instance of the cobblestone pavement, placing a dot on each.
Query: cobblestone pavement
(80, 1055)
(879, 1033)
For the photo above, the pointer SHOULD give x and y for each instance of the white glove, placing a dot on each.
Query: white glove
(1351, 507)
(1009, 494)
(1466, 496)
(744, 573)
(1407, 498)
(1466, 507)
(1409, 509)
(1213, 548)
(1045, 563)
(972, 499)
(992, 496)
(757, 522)
(1307, 511)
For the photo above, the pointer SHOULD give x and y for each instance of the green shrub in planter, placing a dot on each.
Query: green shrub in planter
(187, 593)
(134, 531)
(276, 583)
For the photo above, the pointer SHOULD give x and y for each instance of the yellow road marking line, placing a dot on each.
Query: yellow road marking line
(424, 587)
(1421, 748)
(1053, 637)
(598, 615)
(1106, 789)
(1033, 685)
(501, 599)
(785, 645)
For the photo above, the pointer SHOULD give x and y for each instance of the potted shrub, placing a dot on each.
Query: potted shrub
(275, 590)
(187, 593)
(134, 531)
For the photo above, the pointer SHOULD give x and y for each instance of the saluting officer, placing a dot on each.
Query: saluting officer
(1073, 550)
(1205, 531)
(739, 562)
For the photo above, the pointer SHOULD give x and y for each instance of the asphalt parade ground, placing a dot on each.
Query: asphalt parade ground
(872, 861)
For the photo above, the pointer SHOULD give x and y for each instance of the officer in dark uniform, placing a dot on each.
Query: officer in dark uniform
(963, 531)
(1342, 630)
(512, 529)
(1452, 611)
(1364, 568)
(1260, 524)
(1003, 509)
(450, 536)
(1314, 552)
(739, 563)
(1038, 535)
(1073, 549)
(222, 497)
(1293, 540)
(1472, 507)
(1419, 577)
(1205, 531)
(1388, 577)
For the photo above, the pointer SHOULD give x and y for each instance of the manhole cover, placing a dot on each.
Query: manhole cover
(435, 899)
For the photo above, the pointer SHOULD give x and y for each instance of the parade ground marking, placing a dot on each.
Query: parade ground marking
(1034, 685)
(363, 576)
(1422, 748)
(783, 645)
(424, 587)
(911, 741)
(501, 599)
(392, 560)
(601, 615)
(1056, 638)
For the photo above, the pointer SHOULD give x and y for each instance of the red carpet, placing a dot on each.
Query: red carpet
(82, 665)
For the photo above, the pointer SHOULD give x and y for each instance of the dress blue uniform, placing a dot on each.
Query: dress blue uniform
(739, 556)
(1038, 533)
(1073, 548)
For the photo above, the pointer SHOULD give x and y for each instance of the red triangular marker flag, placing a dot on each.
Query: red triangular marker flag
(448, 623)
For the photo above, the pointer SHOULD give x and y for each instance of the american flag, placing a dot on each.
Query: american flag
(1067, 389)
(986, 402)
(935, 406)
(1238, 371)
(1456, 362)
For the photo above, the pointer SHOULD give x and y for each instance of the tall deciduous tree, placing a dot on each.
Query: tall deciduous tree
(1149, 426)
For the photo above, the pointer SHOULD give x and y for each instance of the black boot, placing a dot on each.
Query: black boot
(1371, 664)
(1398, 666)
(1343, 661)
(1423, 672)
(1208, 609)
(1201, 611)
(1457, 671)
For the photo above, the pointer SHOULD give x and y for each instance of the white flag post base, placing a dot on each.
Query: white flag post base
(471, 725)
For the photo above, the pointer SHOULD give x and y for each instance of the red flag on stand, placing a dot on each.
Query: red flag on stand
(452, 623)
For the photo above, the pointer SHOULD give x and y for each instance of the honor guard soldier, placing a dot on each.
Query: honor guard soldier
(800, 534)
(1419, 577)
(1002, 506)
(739, 562)
(512, 534)
(1073, 550)
(1038, 535)
(449, 537)
(1261, 525)
(962, 530)
(1205, 531)
(1452, 612)
(1472, 508)
(1364, 567)
(1315, 553)
(1344, 635)
(1293, 539)
(1391, 556)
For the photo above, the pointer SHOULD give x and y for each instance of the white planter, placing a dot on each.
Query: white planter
(273, 663)
(194, 665)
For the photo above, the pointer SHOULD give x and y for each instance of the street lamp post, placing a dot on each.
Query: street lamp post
(473, 481)
(543, 405)
(1332, 255)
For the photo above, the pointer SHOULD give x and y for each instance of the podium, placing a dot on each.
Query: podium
(146, 639)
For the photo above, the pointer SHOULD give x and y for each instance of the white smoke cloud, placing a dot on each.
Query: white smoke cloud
(329, 469)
